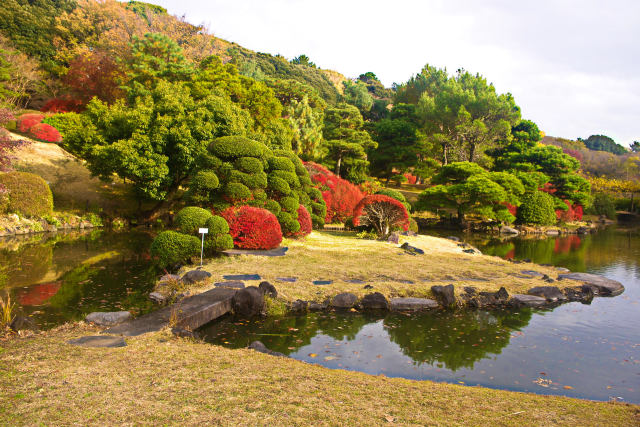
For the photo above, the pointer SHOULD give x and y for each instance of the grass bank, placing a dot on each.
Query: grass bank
(158, 379)
(341, 256)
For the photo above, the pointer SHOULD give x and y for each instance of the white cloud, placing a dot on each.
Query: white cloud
(570, 64)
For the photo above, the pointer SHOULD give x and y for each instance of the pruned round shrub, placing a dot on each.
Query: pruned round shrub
(253, 228)
(249, 165)
(45, 132)
(27, 121)
(413, 225)
(273, 207)
(282, 164)
(233, 147)
(170, 248)
(304, 219)
(394, 194)
(188, 220)
(205, 180)
(279, 185)
(289, 177)
(537, 208)
(288, 223)
(26, 194)
(218, 239)
(237, 192)
(217, 225)
(289, 204)
(339, 195)
(383, 213)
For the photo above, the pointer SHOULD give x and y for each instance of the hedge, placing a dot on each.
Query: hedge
(253, 228)
(188, 220)
(537, 208)
(170, 248)
(26, 194)
(233, 147)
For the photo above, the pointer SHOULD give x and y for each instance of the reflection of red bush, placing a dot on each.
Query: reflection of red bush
(253, 228)
(564, 245)
(304, 219)
(27, 121)
(45, 132)
(510, 254)
(39, 294)
(339, 195)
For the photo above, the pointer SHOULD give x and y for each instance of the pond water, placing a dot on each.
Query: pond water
(63, 277)
(587, 351)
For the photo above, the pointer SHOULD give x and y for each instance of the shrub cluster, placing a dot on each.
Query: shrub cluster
(26, 121)
(65, 123)
(170, 248)
(573, 212)
(383, 213)
(340, 196)
(45, 132)
(304, 219)
(253, 228)
(26, 194)
(537, 208)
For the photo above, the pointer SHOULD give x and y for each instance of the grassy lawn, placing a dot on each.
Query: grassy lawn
(158, 379)
(342, 256)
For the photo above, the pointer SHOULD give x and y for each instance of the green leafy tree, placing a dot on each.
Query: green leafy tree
(357, 94)
(635, 147)
(346, 141)
(604, 143)
(307, 128)
(303, 60)
(429, 81)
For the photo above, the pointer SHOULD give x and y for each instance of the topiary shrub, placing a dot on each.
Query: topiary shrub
(253, 228)
(249, 165)
(236, 192)
(201, 186)
(45, 132)
(233, 147)
(394, 194)
(218, 238)
(26, 194)
(289, 225)
(413, 225)
(27, 121)
(537, 208)
(170, 248)
(188, 220)
(383, 213)
(304, 219)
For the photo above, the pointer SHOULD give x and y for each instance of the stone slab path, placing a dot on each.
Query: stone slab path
(190, 313)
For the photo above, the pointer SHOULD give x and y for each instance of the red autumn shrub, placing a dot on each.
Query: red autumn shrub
(304, 219)
(411, 179)
(573, 212)
(62, 105)
(382, 212)
(253, 228)
(513, 210)
(27, 121)
(339, 195)
(45, 132)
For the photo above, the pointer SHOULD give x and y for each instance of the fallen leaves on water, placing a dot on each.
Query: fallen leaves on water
(313, 355)
(567, 387)
(329, 357)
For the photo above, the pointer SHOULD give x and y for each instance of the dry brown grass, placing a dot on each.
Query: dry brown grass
(341, 256)
(158, 379)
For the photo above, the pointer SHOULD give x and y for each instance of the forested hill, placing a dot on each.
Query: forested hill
(53, 34)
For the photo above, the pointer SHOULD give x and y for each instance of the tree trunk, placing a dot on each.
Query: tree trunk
(472, 151)
(445, 159)
(338, 163)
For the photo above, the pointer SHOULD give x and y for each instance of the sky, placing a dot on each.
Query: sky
(572, 66)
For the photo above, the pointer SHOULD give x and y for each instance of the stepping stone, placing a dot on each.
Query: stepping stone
(99, 341)
(271, 252)
(322, 282)
(563, 270)
(108, 318)
(287, 279)
(532, 273)
(235, 284)
(355, 281)
(412, 304)
(601, 284)
(520, 300)
(550, 293)
(405, 281)
(241, 277)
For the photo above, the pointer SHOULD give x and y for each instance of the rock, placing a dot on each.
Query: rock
(234, 284)
(445, 295)
(375, 301)
(470, 251)
(248, 302)
(470, 290)
(487, 299)
(157, 297)
(241, 277)
(184, 333)
(394, 238)
(454, 238)
(520, 300)
(108, 318)
(600, 284)
(344, 300)
(268, 289)
(195, 276)
(167, 279)
(502, 295)
(21, 323)
(260, 347)
(99, 341)
(298, 306)
(322, 282)
(281, 251)
(583, 294)
(532, 273)
(316, 306)
(583, 230)
(550, 293)
(287, 279)
(508, 230)
(412, 304)
(411, 249)
(368, 287)
(563, 270)
(548, 279)
(552, 232)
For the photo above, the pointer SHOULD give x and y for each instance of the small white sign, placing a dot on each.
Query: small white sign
(203, 231)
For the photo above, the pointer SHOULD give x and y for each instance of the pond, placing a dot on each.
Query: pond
(587, 351)
(63, 277)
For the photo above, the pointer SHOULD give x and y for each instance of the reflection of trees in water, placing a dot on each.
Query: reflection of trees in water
(454, 339)
(26, 265)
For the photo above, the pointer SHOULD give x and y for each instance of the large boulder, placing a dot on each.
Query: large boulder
(444, 295)
(22, 323)
(195, 276)
(600, 284)
(583, 294)
(412, 304)
(485, 299)
(110, 318)
(298, 306)
(374, 301)
(550, 293)
(344, 300)
(248, 302)
(260, 347)
(268, 289)
(521, 300)
(509, 230)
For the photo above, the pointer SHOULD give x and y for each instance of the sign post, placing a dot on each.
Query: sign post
(202, 231)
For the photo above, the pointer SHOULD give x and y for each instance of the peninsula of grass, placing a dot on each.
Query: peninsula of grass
(342, 257)
(157, 380)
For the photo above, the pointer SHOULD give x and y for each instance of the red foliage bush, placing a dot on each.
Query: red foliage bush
(411, 179)
(62, 105)
(27, 121)
(339, 195)
(45, 132)
(253, 228)
(513, 210)
(573, 212)
(304, 219)
(382, 212)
